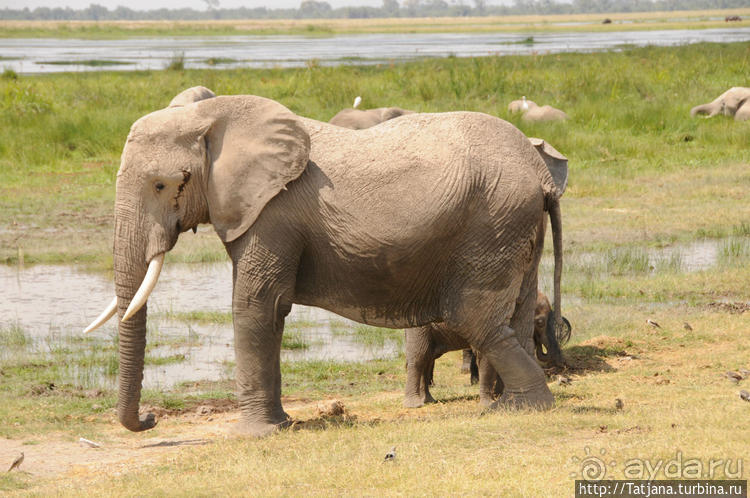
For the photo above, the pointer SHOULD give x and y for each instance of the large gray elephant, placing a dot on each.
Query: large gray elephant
(733, 102)
(431, 218)
(426, 344)
(357, 119)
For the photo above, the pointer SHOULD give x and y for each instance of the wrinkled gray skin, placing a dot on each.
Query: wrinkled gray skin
(426, 344)
(544, 113)
(546, 344)
(431, 218)
(357, 119)
(733, 102)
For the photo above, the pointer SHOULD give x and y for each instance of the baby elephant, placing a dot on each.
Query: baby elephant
(425, 344)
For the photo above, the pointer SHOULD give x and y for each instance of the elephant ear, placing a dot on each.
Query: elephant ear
(191, 95)
(255, 146)
(557, 164)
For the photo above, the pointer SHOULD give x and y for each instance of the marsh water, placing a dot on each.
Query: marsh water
(42, 55)
(50, 306)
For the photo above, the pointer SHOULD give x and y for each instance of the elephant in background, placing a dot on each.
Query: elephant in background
(193, 94)
(357, 119)
(431, 218)
(544, 113)
(521, 105)
(733, 102)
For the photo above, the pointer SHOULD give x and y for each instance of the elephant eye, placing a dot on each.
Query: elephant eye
(159, 186)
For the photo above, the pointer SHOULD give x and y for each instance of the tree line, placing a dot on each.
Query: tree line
(313, 9)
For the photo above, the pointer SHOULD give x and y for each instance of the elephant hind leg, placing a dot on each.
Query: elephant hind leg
(525, 385)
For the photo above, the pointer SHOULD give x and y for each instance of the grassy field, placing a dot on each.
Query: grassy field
(699, 19)
(647, 183)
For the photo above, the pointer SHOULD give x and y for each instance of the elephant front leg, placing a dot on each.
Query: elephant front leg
(525, 382)
(258, 328)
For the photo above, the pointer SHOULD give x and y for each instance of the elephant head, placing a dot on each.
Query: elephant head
(357, 119)
(174, 174)
(546, 341)
(193, 94)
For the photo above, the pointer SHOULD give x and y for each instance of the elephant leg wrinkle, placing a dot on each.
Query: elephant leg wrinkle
(259, 368)
(525, 385)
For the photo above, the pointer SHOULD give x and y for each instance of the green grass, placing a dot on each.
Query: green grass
(200, 316)
(377, 336)
(630, 140)
(14, 335)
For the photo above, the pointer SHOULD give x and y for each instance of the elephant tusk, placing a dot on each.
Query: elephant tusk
(108, 313)
(149, 281)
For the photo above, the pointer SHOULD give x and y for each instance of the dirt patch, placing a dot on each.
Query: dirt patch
(733, 308)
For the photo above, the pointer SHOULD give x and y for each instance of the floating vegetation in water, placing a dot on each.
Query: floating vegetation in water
(90, 62)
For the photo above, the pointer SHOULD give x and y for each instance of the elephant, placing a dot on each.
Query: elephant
(357, 119)
(521, 106)
(544, 113)
(191, 95)
(426, 344)
(733, 102)
(431, 218)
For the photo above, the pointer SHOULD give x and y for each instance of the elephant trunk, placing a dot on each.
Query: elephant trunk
(130, 248)
(704, 109)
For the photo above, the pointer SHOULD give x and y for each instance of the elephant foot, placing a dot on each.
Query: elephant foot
(485, 402)
(537, 399)
(413, 402)
(257, 429)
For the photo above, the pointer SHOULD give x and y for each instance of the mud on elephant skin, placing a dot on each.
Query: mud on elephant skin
(432, 341)
(357, 119)
(427, 218)
(733, 102)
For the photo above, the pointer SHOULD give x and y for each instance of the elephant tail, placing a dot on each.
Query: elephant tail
(555, 218)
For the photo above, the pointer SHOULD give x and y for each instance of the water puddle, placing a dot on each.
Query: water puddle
(48, 307)
(696, 256)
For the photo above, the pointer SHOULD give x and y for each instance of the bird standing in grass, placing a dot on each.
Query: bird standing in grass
(744, 395)
(619, 405)
(688, 327)
(653, 323)
(17, 462)
(357, 101)
(391, 455)
(524, 105)
(733, 376)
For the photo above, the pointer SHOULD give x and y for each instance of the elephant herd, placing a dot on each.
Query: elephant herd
(434, 223)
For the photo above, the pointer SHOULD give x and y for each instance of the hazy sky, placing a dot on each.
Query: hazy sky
(175, 4)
